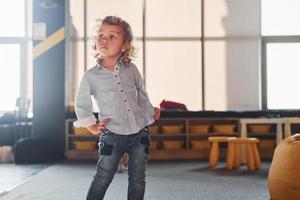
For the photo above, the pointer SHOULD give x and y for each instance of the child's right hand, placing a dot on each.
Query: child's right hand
(98, 128)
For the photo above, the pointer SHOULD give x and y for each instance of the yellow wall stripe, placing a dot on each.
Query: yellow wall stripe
(48, 43)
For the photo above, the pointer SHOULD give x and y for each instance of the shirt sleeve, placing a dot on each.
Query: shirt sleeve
(142, 94)
(83, 104)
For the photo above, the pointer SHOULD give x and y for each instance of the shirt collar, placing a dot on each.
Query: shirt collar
(118, 65)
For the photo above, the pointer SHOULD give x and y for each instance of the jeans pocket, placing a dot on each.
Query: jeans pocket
(106, 143)
(145, 139)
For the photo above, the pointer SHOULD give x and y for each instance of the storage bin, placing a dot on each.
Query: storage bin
(200, 144)
(172, 130)
(85, 145)
(154, 130)
(81, 131)
(173, 144)
(226, 129)
(199, 129)
(259, 128)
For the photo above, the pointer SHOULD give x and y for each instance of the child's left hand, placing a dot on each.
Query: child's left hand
(156, 114)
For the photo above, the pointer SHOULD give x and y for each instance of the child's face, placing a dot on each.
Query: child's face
(110, 41)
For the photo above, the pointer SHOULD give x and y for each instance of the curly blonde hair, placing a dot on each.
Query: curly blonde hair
(127, 55)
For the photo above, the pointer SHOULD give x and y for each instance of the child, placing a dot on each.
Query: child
(125, 110)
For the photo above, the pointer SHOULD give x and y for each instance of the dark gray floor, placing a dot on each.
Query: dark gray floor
(165, 180)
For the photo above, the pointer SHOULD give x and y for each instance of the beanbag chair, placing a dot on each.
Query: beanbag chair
(284, 173)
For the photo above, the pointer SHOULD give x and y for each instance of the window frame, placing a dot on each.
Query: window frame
(265, 41)
(25, 43)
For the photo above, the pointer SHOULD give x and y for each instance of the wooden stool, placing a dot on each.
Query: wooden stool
(234, 153)
(214, 151)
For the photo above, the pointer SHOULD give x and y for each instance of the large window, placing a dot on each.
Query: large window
(280, 17)
(168, 54)
(9, 75)
(232, 38)
(173, 52)
(13, 46)
(203, 53)
(281, 50)
(283, 68)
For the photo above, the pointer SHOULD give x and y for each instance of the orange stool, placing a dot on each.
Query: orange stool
(234, 153)
(214, 151)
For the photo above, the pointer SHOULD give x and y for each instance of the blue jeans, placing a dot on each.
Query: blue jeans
(111, 149)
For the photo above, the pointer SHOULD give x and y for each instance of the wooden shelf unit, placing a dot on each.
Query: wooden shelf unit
(70, 151)
(186, 151)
